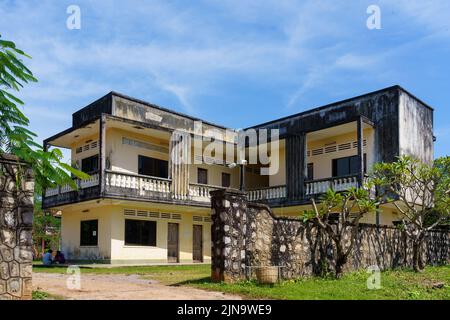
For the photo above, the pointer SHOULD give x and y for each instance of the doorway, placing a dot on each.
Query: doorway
(173, 254)
(197, 243)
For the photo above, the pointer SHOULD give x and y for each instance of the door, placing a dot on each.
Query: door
(197, 245)
(172, 243)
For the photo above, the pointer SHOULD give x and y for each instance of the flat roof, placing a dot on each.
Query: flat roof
(303, 113)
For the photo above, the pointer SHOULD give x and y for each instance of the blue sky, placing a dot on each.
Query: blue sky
(236, 63)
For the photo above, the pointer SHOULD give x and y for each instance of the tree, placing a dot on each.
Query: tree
(420, 192)
(46, 230)
(339, 215)
(48, 166)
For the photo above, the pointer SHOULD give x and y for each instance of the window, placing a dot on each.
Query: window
(90, 164)
(226, 180)
(89, 233)
(140, 233)
(202, 176)
(310, 174)
(347, 166)
(152, 167)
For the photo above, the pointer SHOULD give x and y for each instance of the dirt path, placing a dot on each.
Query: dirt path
(120, 287)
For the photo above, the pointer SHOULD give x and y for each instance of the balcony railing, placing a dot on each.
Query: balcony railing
(200, 192)
(136, 186)
(315, 187)
(268, 193)
(128, 185)
(92, 181)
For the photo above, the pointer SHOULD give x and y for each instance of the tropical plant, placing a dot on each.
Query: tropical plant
(421, 194)
(339, 215)
(46, 230)
(15, 137)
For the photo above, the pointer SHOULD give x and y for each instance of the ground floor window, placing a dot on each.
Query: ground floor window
(140, 233)
(89, 233)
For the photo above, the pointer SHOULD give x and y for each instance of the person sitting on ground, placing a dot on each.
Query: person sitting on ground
(59, 258)
(47, 258)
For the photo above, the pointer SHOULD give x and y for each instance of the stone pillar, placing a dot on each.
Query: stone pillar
(228, 230)
(16, 223)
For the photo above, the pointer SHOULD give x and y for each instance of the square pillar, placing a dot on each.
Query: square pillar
(102, 153)
(360, 139)
(296, 166)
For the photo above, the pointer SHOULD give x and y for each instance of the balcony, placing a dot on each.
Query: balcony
(127, 186)
(313, 188)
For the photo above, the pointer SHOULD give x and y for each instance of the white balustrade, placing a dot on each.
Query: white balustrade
(336, 184)
(92, 181)
(142, 184)
(51, 192)
(199, 192)
(276, 192)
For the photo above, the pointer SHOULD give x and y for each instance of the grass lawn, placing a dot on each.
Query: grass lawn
(397, 284)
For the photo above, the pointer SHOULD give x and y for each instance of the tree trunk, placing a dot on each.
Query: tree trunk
(341, 260)
(418, 264)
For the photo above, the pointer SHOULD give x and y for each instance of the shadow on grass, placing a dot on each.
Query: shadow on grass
(57, 266)
(204, 280)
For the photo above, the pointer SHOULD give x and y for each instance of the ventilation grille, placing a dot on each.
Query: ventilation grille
(331, 149)
(144, 145)
(165, 215)
(176, 216)
(201, 219)
(129, 212)
(151, 214)
(344, 146)
(142, 214)
(86, 147)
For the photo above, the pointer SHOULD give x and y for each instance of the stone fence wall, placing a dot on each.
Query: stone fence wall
(247, 235)
(16, 222)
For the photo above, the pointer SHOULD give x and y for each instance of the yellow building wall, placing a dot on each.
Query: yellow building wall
(111, 236)
(323, 162)
(124, 157)
(77, 157)
(279, 178)
(214, 174)
(70, 234)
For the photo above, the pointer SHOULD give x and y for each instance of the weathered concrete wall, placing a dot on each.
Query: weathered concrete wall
(416, 129)
(247, 234)
(16, 222)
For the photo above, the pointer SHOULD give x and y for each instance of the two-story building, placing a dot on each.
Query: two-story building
(139, 205)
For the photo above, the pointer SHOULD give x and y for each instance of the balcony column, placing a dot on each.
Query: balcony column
(102, 154)
(296, 166)
(360, 139)
(180, 155)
